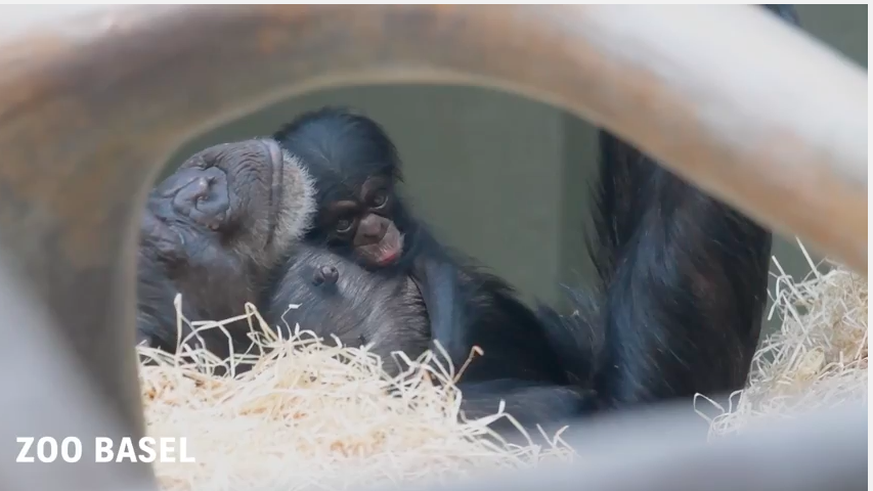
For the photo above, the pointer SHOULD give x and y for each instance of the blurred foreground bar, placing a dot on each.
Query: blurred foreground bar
(93, 99)
(663, 450)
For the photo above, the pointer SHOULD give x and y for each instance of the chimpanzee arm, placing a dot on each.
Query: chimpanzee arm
(440, 289)
(437, 273)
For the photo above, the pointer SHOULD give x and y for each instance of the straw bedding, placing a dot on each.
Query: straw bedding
(313, 415)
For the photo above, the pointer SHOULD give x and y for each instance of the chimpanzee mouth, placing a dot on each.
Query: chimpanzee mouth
(389, 257)
(391, 248)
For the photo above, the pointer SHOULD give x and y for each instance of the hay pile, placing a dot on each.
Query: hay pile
(312, 415)
(322, 417)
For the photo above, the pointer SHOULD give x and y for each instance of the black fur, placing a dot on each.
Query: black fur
(683, 284)
(684, 281)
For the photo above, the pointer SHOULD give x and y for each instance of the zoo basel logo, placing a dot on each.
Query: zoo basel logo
(147, 449)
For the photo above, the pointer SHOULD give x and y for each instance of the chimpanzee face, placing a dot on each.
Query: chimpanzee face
(243, 198)
(365, 222)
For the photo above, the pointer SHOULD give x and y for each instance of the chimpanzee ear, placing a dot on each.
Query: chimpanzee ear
(154, 233)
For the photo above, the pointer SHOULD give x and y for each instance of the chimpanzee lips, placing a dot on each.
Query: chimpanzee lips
(391, 248)
(388, 257)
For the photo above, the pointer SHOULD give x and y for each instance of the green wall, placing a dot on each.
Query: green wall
(504, 178)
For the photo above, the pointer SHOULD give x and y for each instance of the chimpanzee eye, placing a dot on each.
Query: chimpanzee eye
(343, 225)
(379, 198)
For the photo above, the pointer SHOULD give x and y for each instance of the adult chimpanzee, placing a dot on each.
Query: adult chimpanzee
(212, 231)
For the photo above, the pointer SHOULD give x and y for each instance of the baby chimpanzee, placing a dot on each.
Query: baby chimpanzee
(212, 231)
(361, 216)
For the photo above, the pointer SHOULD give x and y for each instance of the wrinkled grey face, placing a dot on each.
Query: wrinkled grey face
(213, 231)
(338, 297)
(245, 195)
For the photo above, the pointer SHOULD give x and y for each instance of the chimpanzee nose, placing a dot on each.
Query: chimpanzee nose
(373, 228)
(376, 232)
(204, 198)
(200, 188)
